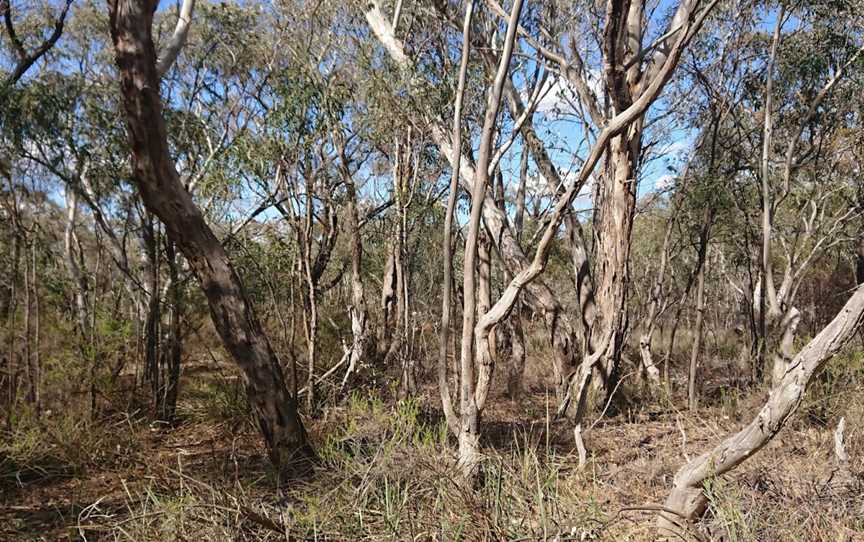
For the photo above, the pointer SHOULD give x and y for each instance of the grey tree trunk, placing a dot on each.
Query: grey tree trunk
(692, 391)
(447, 244)
(687, 500)
(172, 351)
(359, 315)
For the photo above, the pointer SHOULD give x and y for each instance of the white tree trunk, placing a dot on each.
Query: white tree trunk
(687, 498)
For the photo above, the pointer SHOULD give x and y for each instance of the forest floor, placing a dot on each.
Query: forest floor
(386, 472)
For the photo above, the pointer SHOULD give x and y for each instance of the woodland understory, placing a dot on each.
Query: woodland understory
(432, 270)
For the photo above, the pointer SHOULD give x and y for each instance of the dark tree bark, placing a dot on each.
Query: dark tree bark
(155, 175)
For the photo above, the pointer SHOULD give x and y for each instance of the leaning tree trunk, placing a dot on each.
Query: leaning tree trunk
(687, 501)
(163, 194)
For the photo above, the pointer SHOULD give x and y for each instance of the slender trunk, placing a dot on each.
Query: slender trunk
(91, 346)
(35, 367)
(357, 310)
(172, 351)
(692, 391)
(447, 243)
(28, 324)
(311, 317)
(162, 192)
(12, 320)
(72, 266)
(153, 317)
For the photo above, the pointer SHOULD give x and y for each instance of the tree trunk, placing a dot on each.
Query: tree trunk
(613, 225)
(447, 243)
(28, 323)
(311, 282)
(153, 317)
(172, 351)
(34, 368)
(784, 352)
(163, 194)
(692, 392)
(71, 263)
(473, 394)
(359, 315)
(687, 498)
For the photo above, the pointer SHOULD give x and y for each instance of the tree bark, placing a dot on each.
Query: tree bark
(473, 394)
(156, 177)
(447, 243)
(687, 497)
(359, 314)
(613, 225)
(172, 351)
(692, 391)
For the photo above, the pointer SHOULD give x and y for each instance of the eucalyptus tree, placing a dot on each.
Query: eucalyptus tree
(806, 200)
(155, 175)
(28, 49)
(495, 221)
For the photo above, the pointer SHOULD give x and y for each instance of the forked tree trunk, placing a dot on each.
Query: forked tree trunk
(473, 393)
(687, 499)
(447, 243)
(701, 256)
(156, 177)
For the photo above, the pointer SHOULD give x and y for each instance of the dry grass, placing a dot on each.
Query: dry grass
(386, 472)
